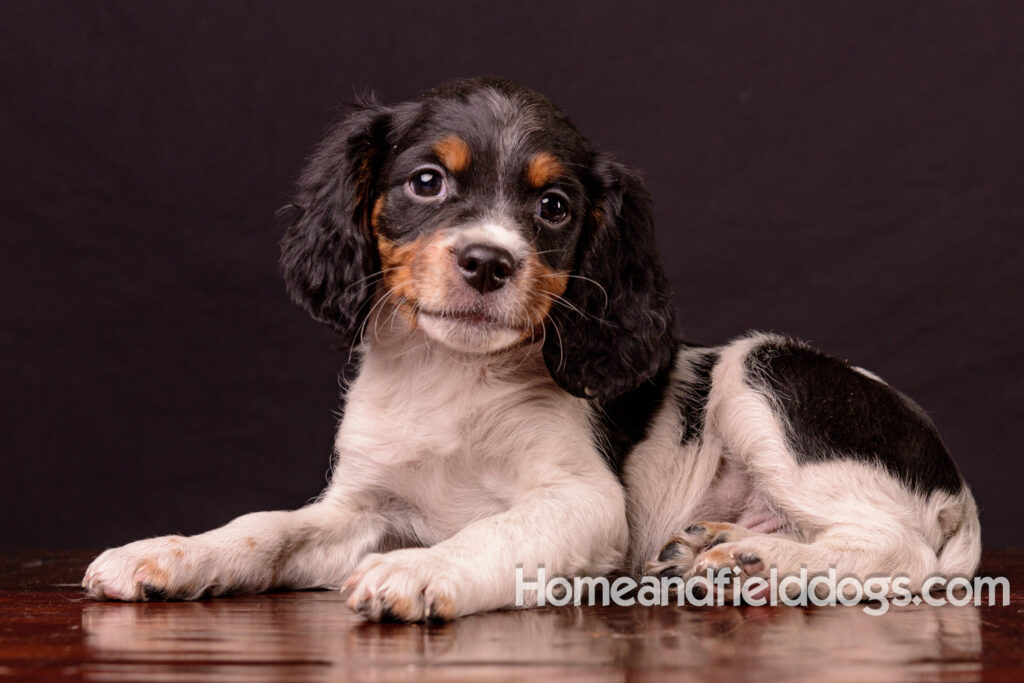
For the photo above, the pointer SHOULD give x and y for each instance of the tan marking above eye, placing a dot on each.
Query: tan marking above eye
(453, 152)
(542, 169)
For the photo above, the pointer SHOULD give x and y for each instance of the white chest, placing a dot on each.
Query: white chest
(444, 442)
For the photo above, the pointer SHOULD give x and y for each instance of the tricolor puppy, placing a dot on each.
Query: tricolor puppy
(522, 398)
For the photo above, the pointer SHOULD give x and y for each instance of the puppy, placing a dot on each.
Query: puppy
(522, 399)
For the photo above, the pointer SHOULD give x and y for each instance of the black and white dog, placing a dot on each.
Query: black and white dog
(522, 399)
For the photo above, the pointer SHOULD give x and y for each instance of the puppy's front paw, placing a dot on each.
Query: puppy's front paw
(413, 584)
(155, 568)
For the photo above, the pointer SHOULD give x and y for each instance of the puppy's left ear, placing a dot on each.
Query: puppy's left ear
(619, 330)
(328, 255)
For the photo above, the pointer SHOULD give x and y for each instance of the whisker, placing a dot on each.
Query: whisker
(556, 299)
(376, 323)
(378, 304)
(394, 312)
(585, 279)
(361, 332)
(426, 344)
(379, 273)
(561, 345)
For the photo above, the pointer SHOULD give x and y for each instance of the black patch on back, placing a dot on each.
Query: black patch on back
(692, 395)
(832, 411)
(624, 420)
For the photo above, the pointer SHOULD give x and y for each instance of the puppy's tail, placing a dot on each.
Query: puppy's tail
(961, 554)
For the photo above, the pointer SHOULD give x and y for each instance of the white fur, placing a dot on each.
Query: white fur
(839, 513)
(497, 231)
(454, 467)
(468, 338)
(459, 458)
(463, 466)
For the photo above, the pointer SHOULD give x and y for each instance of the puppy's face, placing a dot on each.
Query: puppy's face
(476, 216)
(481, 215)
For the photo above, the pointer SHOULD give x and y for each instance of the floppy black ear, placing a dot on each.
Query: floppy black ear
(328, 254)
(621, 332)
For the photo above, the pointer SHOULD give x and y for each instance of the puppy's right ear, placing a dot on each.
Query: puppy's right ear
(328, 254)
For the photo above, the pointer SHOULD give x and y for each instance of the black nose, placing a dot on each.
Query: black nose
(484, 267)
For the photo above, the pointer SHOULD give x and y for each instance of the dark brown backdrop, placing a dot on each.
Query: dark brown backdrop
(850, 173)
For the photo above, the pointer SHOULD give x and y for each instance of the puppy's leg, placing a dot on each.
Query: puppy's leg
(853, 551)
(857, 550)
(569, 529)
(315, 546)
(838, 512)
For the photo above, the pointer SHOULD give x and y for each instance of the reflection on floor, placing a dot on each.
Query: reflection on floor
(47, 629)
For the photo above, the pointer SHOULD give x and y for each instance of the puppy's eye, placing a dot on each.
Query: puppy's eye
(427, 182)
(553, 208)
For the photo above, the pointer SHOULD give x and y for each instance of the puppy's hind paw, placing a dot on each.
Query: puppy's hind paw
(676, 558)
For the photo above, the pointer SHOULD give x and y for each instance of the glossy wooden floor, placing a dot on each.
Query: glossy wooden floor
(48, 629)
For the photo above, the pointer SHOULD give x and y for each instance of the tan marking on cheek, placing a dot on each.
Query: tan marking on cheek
(542, 169)
(378, 206)
(418, 273)
(396, 262)
(545, 286)
(556, 281)
(436, 274)
(453, 153)
(251, 543)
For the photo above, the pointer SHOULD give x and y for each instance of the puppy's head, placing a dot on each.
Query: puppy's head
(487, 220)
